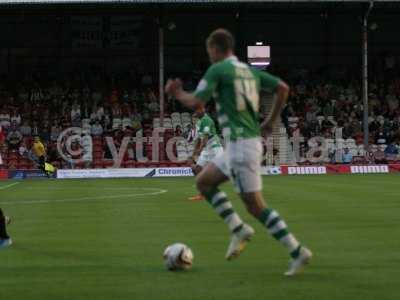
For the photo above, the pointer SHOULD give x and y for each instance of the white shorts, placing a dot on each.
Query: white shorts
(241, 162)
(208, 155)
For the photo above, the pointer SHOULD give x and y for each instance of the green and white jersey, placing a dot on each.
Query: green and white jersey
(206, 127)
(236, 89)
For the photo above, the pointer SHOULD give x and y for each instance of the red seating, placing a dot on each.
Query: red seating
(97, 155)
(97, 148)
(56, 164)
(129, 164)
(108, 164)
(98, 165)
(97, 142)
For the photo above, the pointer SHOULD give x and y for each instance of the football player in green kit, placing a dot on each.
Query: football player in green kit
(236, 89)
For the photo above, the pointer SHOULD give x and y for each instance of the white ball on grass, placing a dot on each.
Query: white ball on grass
(178, 256)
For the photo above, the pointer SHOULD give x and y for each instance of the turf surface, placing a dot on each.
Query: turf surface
(103, 239)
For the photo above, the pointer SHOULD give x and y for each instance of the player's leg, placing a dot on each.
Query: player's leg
(246, 175)
(207, 182)
(49, 168)
(46, 168)
(42, 162)
(196, 169)
(5, 240)
(250, 192)
(248, 182)
(205, 157)
(277, 227)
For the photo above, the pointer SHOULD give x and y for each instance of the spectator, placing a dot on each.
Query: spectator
(136, 121)
(125, 96)
(2, 136)
(36, 94)
(178, 131)
(153, 104)
(391, 151)
(97, 113)
(116, 110)
(320, 107)
(23, 149)
(14, 138)
(15, 118)
(25, 129)
(293, 121)
(55, 131)
(190, 131)
(380, 157)
(35, 129)
(96, 97)
(75, 114)
(328, 110)
(100, 111)
(97, 129)
(347, 130)
(76, 151)
(126, 122)
(347, 157)
(392, 101)
(45, 132)
(107, 126)
(381, 137)
(87, 146)
(147, 80)
(5, 120)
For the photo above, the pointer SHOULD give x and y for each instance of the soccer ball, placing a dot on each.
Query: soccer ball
(178, 256)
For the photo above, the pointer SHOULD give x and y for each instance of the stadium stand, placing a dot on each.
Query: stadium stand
(319, 106)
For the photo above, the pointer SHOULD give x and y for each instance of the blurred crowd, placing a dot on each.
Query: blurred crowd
(332, 108)
(324, 103)
(44, 107)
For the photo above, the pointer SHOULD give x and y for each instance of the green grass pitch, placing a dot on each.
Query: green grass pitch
(103, 239)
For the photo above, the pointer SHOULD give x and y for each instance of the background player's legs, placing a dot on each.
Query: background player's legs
(42, 162)
(270, 218)
(196, 169)
(3, 225)
(201, 162)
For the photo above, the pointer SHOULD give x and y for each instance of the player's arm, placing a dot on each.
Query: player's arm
(203, 92)
(282, 93)
(281, 89)
(174, 88)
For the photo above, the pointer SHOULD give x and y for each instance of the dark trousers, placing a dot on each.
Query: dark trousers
(3, 229)
(42, 163)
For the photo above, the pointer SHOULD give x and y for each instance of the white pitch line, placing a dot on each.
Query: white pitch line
(90, 187)
(158, 192)
(8, 185)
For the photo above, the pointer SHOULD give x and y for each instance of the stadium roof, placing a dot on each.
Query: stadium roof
(215, 7)
(14, 2)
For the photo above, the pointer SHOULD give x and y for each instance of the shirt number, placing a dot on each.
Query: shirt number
(246, 91)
